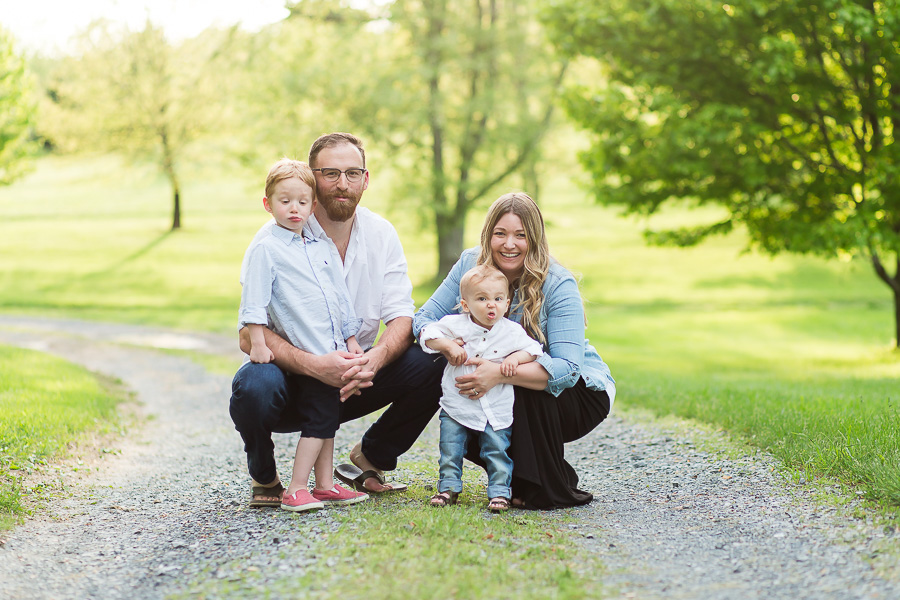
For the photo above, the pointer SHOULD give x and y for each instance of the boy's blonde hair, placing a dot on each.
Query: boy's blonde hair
(480, 273)
(287, 168)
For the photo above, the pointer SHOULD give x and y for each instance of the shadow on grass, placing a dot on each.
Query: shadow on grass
(128, 259)
(802, 281)
(101, 274)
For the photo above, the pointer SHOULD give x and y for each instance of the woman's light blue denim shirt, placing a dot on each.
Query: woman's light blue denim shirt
(568, 355)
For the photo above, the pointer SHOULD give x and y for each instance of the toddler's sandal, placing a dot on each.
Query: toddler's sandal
(442, 499)
(498, 505)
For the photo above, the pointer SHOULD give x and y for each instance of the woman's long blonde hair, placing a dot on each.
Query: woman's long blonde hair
(537, 257)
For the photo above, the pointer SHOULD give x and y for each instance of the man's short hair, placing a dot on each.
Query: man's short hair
(329, 140)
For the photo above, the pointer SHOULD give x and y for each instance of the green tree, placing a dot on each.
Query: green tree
(17, 110)
(783, 113)
(289, 84)
(459, 96)
(479, 82)
(136, 93)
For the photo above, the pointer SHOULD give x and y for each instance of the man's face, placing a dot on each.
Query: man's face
(339, 198)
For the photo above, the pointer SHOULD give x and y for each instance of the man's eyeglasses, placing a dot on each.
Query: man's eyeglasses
(332, 175)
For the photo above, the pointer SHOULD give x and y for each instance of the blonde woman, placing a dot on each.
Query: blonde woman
(566, 392)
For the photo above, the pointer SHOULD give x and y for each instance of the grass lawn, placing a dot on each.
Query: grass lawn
(46, 404)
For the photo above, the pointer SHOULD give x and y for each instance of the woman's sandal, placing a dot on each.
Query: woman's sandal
(444, 499)
(498, 505)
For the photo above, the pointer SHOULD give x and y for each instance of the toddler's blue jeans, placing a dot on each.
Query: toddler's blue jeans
(493, 445)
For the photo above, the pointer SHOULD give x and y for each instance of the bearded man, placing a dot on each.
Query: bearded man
(393, 372)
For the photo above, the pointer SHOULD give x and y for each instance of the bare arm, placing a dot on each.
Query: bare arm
(452, 351)
(510, 364)
(396, 338)
(521, 357)
(487, 374)
(259, 352)
(353, 346)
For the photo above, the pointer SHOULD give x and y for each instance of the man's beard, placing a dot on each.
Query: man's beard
(340, 211)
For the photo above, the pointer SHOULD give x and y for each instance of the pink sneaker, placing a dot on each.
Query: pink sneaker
(300, 501)
(339, 495)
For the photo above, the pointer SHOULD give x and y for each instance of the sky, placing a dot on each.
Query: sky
(47, 26)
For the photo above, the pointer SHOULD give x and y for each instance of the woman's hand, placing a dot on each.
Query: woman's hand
(476, 384)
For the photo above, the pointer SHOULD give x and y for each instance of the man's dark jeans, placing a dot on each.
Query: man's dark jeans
(264, 400)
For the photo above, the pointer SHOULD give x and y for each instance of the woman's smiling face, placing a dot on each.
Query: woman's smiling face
(509, 246)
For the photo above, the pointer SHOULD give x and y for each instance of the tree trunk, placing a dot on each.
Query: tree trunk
(530, 181)
(894, 284)
(169, 169)
(896, 288)
(176, 208)
(897, 314)
(450, 241)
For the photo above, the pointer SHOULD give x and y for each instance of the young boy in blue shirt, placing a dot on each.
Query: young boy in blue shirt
(293, 286)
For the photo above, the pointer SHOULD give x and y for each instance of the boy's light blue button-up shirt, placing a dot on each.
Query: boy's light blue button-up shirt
(298, 291)
(567, 354)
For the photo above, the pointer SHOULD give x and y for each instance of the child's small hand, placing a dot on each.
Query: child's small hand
(455, 355)
(508, 368)
(261, 354)
(353, 346)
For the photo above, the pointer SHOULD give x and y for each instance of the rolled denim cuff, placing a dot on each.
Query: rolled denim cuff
(558, 381)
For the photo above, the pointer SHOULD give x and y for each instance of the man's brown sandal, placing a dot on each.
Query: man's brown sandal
(356, 478)
(444, 499)
(257, 492)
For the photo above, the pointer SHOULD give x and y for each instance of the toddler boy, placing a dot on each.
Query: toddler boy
(293, 286)
(486, 333)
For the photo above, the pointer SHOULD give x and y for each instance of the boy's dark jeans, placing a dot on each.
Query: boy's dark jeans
(266, 400)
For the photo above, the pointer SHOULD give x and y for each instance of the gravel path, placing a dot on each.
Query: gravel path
(673, 516)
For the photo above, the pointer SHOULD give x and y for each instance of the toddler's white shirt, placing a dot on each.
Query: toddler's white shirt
(494, 344)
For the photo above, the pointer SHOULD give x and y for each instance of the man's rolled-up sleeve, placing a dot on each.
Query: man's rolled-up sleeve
(396, 295)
